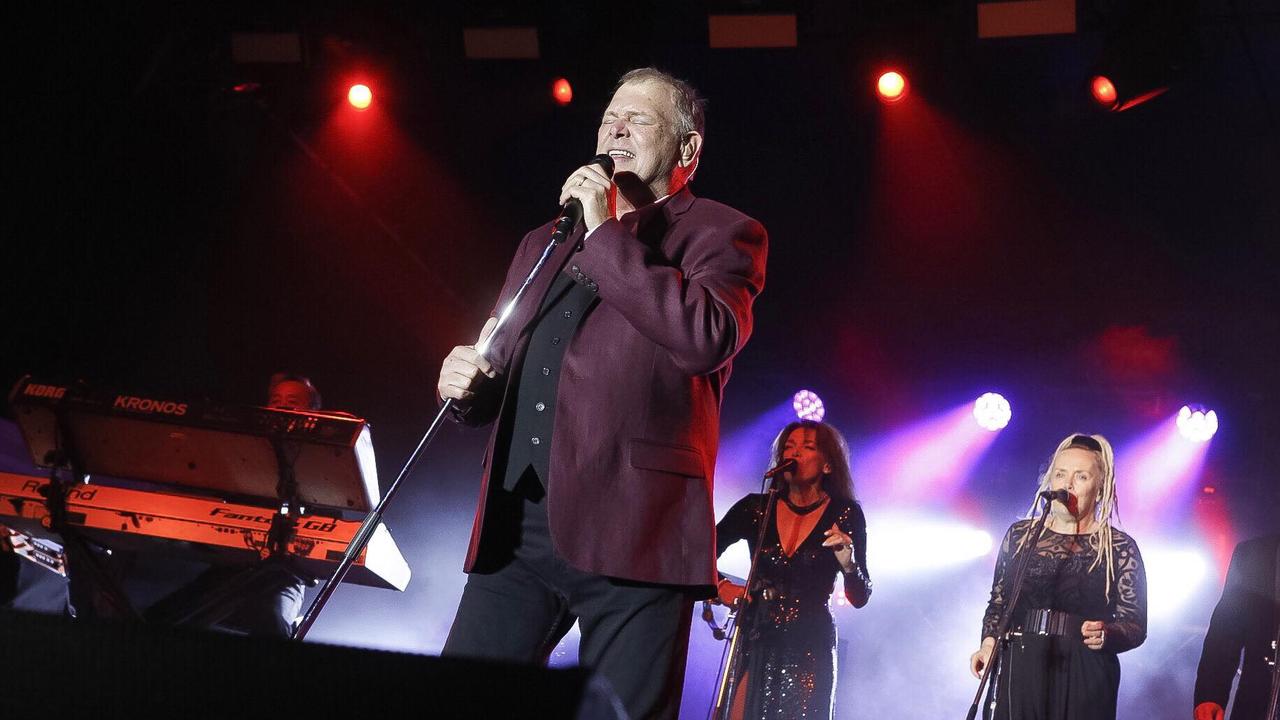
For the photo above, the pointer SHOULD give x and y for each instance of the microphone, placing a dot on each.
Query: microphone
(571, 212)
(788, 465)
(1061, 496)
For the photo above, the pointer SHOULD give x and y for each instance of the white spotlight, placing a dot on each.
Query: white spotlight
(1196, 423)
(992, 411)
(808, 406)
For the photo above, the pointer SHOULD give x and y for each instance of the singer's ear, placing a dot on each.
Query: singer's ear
(689, 148)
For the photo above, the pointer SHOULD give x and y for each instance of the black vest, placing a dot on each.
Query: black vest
(532, 401)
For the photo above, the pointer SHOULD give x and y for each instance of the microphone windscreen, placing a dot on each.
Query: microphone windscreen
(605, 162)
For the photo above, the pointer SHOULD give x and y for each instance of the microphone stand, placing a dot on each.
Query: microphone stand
(570, 216)
(733, 660)
(1273, 704)
(1021, 562)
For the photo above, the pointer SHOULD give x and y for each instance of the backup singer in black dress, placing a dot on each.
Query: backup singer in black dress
(1083, 602)
(818, 531)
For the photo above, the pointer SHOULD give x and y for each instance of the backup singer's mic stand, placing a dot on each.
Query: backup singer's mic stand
(1273, 705)
(1023, 561)
(729, 672)
(569, 218)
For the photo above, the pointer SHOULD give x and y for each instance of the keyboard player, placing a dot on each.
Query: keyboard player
(269, 606)
(273, 605)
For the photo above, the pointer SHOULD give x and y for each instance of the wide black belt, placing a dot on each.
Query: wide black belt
(1038, 621)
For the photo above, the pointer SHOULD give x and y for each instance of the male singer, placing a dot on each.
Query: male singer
(606, 386)
(1245, 619)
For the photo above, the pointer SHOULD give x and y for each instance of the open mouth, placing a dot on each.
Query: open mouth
(619, 153)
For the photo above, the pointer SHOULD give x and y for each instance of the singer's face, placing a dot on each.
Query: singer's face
(802, 446)
(638, 130)
(1077, 471)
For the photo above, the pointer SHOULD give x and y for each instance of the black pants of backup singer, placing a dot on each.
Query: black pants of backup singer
(635, 635)
(1046, 677)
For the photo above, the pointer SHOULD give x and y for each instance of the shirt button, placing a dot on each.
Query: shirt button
(546, 371)
(568, 313)
(540, 406)
(555, 341)
(535, 441)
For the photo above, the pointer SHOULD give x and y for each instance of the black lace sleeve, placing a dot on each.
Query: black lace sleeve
(857, 584)
(999, 583)
(739, 523)
(1129, 629)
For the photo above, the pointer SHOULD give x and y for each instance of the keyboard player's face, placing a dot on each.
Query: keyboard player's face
(289, 395)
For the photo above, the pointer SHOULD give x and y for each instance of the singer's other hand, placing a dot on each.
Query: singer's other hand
(978, 661)
(464, 369)
(1095, 634)
(842, 545)
(1209, 711)
(590, 186)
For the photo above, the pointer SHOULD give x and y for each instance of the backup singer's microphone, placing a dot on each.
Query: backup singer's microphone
(571, 212)
(1061, 496)
(788, 465)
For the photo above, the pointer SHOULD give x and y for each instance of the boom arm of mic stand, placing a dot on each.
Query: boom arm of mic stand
(365, 531)
(1006, 617)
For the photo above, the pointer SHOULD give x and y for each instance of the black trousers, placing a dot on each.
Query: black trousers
(1046, 677)
(635, 635)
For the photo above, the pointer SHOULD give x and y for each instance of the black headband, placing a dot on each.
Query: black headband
(1086, 443)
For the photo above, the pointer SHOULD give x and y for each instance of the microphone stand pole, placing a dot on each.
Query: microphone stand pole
(729, 673)
(1273, 704)
(1021, 562)
(563, 227)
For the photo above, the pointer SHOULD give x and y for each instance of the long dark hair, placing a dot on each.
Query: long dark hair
(839, 482)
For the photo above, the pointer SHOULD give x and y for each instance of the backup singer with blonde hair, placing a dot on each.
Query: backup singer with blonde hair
(1083, 600)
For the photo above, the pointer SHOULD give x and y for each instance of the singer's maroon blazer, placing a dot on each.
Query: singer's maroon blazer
(637, 417)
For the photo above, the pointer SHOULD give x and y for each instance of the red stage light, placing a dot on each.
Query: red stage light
(891, 86)
(360, 96)
(1103, 91)
(562, 91)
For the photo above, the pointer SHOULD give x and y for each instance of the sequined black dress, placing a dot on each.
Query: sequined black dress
(789, 642)
(1048, 677)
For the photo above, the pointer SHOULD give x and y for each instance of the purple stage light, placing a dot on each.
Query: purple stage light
(1196, 423)
(1158, 474)
(930, 459)
(992, 411)
(808, 406)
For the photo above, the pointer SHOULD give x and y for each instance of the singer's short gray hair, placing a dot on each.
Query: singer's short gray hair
(690, 106)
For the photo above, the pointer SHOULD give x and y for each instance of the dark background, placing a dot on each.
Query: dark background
(165, 233)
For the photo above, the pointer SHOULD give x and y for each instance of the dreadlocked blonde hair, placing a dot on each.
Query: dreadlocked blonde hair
(1103, 510)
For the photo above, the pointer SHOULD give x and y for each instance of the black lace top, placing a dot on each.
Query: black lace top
(1059, 579)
